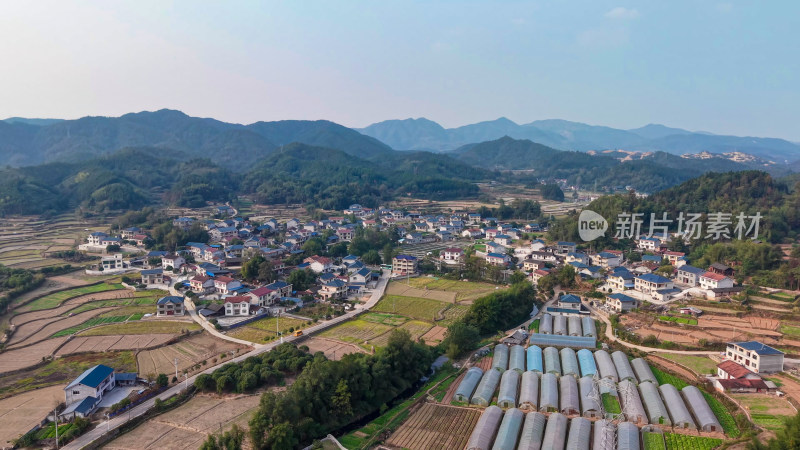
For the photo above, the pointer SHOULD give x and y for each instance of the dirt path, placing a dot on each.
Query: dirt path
(672, 366)
(790, 386)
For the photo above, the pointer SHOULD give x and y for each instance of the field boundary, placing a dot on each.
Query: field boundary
(32, 299)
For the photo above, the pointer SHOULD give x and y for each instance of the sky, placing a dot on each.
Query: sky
(724, 67)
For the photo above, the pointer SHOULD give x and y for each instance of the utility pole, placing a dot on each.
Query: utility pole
(176, 368)
(55, 419)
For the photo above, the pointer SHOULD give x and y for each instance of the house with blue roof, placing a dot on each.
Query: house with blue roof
(755, 356)
(93, 382)
(621, 302)
(569, 301)
(152, 276)
(652, 259)
(283, 288)
(171, 305)
(649, 283)
(333, 289)
(497, 259)
(620, 279)
(607, 259)
(577, 257)
(648, 244)
(689, 275)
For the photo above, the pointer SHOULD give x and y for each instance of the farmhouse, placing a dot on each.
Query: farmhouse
(537, 275)
(404, 265)
(170, 305)
(712, 280)
(92, 384)
(564, 247)
(689, 275)
(620, 279)
(237, 306)
(226, 285)
(113, 262)
(607, 259)
(282, 288)
(648, 244)
(201, 284)
(497, 259)
(569, 301)
(333, 289)
(755, 356)
(263, 296)
(649, 283)
(152, 276)
(452, 255)
(318, 264)
(721, 269)
(172, 260)
(622, 302)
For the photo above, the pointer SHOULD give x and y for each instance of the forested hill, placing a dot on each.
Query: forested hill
(653, 172)
(748, 192)
(295, 173)
(231, 145)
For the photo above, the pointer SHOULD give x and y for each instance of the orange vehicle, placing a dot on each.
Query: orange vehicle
(298, 333)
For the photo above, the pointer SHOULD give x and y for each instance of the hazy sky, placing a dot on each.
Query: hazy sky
(727, 67)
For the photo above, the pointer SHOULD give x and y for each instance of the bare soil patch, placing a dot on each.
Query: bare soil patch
(20, 413)
(434, 336)
(332, 348)
(434, 426)
(33, 331)
(188, 352)
(29, 356)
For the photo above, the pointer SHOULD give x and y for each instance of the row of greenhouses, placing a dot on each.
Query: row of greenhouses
(571, 325)
(567, 361)
(514, 429)
(586, 396)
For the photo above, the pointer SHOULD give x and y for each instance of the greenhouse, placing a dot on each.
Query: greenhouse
(627, 436)
(681, 417)
(586, 362)
(623, 365)
(580, 433)
(643, 371)
(509, 384)
(529, 391)
(552, 361)
(697, 403)
(569, 362)
(607, 386)
(548, 393)
(546, 324)
(574, 326)
(516, 359)
(483, 434)
(589, 328)
(605, 365)
(485, 390)
(569, 396)
(500, 357)
(589, 406)
(656, 410)
(534, 359)
(603, 436)
(555, 433)
(532, 432)
(509, 429)
(631, 403)
(549, 340)
(468, 384)
(560, 325)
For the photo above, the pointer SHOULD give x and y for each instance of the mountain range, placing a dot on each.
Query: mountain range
(424, 134)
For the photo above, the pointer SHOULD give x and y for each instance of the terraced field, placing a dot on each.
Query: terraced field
(55, 299)
(265, 330)
(435, 426)
(188, 352)
(356, 331)
(416, 308)
(142, 327)
(416, 328)
(465, 290)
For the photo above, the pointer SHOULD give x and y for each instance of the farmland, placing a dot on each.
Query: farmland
(188, 425)
(331, 348)
(55, 299)
(699, 364)
(416, 308)
(768, 412)
(464, 290)
(681, 320)
(434, 427)
(265, 330)
(142, 327)
(21, 358)
(653, 441)
(356, 331)
(82, 344)
(189, 352)
(684, 442)
(415, 328)
(62, 370)
(22, 412)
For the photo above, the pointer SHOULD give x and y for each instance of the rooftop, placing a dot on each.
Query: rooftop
(758, 347)
(92, 377)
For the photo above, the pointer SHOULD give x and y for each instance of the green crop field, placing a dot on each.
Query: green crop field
(723, 415)
(142, 327)
(653, 441)
(90, 323)
(55, 299)
(668, 378)
(700, 364)
(416, 308)
(611, 403)
(356, 331)
(386, 319)
(790, 330)
(465, 290)
(770, 422)
(415, 328)
(453, 313)
(684, 442)
(683, 320)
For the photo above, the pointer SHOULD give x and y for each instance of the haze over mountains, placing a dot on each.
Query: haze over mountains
(424, 134)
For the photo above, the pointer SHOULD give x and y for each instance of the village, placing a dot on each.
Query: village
(338, 302)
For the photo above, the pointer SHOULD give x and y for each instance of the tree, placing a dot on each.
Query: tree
(112, 248)
(301, 279)
(371, 258)
(251, 267)
(162, 380)
(517, 277)
(787, 438)
(460, 338)
(388, 252)
(341, 399)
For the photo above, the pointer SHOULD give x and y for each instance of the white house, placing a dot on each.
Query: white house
(113, 262)
(621, 302)
(649, 283)
(152, 276)
(93, 382)
(452, 255)
(497, 259)
(319, 264)
(710, 280)
(172, 260)
(755, 356)
(237, 306)
(225, 285)
(648, 244)
(170, 305)
(607, 259)
(689, 275)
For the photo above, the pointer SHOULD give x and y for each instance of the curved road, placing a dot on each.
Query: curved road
(138, 410)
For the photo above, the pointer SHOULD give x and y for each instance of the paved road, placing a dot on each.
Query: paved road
(137, 411)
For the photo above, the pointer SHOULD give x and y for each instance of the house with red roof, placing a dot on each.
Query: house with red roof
(237, 305)
(711, 280)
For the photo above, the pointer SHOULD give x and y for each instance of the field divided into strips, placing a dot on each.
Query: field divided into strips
(384, 318)
(142, 327)
(435, 426)
(356, 331)
(90, 323)
(188, 425)
(32, 332)
(464, 290)
(11, 360)
(190, 351)
(415, 328)
(453, 313)
(24, 241)
(701, 365)
(265, 330)
(81, 344)
(55, 299)
(22, 412)
(416, 308)
(684, 442)
(653, 441)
